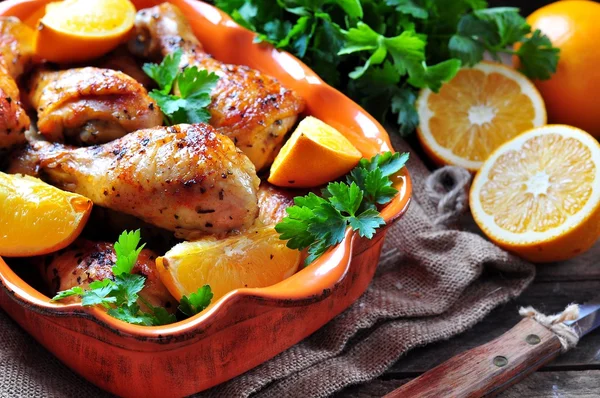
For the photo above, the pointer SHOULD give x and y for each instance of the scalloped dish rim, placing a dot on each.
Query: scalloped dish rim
(318, 279)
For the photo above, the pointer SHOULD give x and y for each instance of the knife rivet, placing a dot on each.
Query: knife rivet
(533, 339)
(500, 361)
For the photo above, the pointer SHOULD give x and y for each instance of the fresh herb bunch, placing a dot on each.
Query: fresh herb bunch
(319, 222)
(120, 295)
(194, 87)
(381, 52)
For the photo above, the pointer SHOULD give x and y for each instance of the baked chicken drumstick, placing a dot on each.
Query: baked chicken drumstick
(185, 178)
(86, 262)
(16, 49)
(251, 108)
(90, 105)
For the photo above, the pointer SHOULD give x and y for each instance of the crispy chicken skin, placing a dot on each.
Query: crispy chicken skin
(90, 105)
(272, 202)
(185, 178)
(16, 49)
(251, 108)
(86, 262)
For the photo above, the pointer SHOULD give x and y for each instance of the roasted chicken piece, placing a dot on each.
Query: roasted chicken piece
(185, 178)
(16, 49)
(122, 60)
(85, 262)
(90, 105)
(272, 202)
(251, 108)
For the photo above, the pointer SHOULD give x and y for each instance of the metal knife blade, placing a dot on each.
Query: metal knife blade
(589, 317)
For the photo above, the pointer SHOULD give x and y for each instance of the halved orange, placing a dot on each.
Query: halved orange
(538, 195)
(255, 258)
(477, 111)
(315, 154)
(80, 30)
(37, 218)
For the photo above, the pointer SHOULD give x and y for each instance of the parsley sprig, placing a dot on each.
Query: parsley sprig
(319, 222)
(194, 87)
(120, 295)
(381, 52)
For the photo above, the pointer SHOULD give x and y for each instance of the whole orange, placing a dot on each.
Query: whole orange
(572, 95)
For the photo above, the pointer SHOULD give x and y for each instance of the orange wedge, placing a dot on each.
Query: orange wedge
(256, 258)
(475, 113)
(80, 30)
(315, 154)
(37, 218)
(538, 195)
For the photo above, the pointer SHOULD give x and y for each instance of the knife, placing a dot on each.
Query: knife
(487, 370)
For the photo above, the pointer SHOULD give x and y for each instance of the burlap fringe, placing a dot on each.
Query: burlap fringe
(567, 335)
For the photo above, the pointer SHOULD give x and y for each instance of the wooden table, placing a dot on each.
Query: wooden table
(574, 374)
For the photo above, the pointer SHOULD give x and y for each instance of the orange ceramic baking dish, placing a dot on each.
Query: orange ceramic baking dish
(247, 326)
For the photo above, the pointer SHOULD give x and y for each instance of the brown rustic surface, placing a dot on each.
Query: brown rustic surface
(574, 374)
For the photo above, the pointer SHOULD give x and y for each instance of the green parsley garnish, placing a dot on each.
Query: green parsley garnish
(381, 52)
(194, 87)
(196, 302)
(120, 295)
(319, 222)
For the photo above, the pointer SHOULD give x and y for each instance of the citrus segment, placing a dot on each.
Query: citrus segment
(476, 112)
(539, 194)
(79, 30)
(256, 258)
(37, 218)
(315, 154)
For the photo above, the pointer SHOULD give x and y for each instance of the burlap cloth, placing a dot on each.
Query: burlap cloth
(433, 282)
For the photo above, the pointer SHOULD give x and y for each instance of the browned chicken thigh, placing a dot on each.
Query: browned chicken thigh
(251, 108)
(90, 105)
(16, 49)
(86, 262)
(185, 178)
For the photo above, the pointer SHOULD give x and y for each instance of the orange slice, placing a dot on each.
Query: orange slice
(256, 258)
(475, 113)
(80, 30)
(37, 218)
(315, 154)
(538, 195)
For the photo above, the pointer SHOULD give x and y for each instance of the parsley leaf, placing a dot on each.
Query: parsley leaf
(127, 251)
(192, 87)
(131, 314)
(367, 223)
(317, 223)
(402, 104)
(495, 30)
(538, 57)
(410, 7)
(164, 74)
(74, 291)
(196, 302)
(99, 293)
(127, 288)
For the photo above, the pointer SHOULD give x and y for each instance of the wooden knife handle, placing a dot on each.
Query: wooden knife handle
(489, 369)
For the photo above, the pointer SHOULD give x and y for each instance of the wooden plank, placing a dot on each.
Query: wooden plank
(581, 268)
(584, 267)
(584, 384)
(548, 297)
